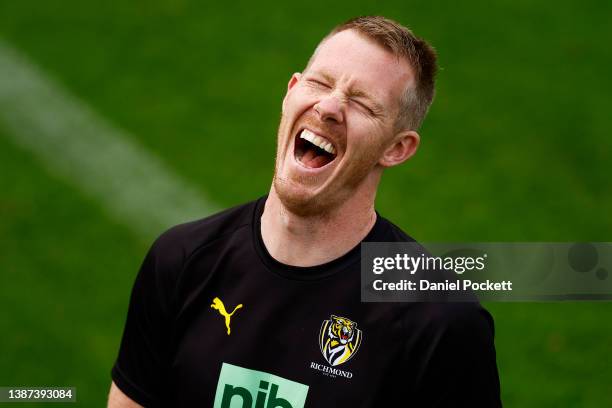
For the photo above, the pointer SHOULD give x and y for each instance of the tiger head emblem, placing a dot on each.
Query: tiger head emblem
(339, 340)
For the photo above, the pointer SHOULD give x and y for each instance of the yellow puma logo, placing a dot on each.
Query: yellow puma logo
(218, 304)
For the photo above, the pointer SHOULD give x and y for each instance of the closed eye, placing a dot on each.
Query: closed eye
(319, 83)
(365, 107)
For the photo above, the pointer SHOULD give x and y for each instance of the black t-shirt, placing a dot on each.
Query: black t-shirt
(215, 321)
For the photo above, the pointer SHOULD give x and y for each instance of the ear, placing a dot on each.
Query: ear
(404, 146)
(292, 81)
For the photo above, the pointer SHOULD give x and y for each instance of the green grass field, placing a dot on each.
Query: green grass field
(515, 148)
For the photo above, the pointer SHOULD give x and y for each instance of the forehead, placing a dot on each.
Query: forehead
(358, 61)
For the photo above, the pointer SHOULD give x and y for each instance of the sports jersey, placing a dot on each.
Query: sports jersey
(215, 321)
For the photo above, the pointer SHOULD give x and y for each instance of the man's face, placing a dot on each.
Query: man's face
(338, 118)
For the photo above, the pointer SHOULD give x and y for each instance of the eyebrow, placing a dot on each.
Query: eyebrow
(376, 107)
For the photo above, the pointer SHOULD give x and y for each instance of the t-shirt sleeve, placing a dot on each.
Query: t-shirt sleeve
(144, 355)
(460, 368)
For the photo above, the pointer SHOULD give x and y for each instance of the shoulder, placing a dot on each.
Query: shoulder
(389, 232)
(186, 238)
(174, 247)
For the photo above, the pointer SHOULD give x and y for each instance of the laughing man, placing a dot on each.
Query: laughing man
(287, 264)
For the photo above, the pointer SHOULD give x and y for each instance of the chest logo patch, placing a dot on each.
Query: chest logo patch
(219, 306)
(339, 340)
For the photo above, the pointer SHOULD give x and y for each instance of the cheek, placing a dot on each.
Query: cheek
(299, 98)
(368, 139)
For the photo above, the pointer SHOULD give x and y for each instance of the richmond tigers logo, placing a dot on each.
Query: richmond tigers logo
(339, 340)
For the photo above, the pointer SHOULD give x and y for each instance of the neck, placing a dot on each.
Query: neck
(314, 240)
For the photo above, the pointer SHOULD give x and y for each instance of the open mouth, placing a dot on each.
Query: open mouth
(312, 150)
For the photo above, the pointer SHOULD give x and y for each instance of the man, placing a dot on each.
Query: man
(259, 306)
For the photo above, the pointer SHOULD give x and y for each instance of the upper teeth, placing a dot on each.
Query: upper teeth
(318, 141)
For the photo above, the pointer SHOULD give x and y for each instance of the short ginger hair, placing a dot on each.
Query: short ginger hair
(421, 56)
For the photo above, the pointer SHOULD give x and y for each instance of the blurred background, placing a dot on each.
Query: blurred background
(118, 119)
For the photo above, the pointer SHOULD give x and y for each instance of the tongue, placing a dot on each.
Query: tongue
(311, 159)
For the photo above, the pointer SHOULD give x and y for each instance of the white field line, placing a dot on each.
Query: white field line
(90, 153)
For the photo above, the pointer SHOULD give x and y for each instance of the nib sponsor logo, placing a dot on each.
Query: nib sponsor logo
(243, 388)
(273, 400)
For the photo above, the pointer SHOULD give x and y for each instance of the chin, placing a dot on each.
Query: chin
(299, 200)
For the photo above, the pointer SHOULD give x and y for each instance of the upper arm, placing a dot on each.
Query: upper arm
(143, 361)
(461, 367)
(117, 399)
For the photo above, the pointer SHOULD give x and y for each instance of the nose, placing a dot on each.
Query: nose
(330, 108)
